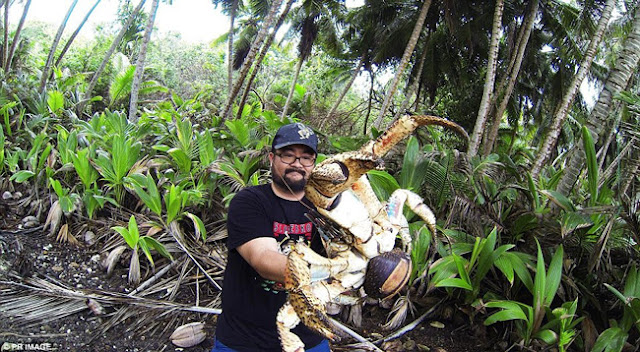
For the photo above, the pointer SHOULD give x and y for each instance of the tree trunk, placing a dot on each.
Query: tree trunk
(417, 29)
(5, 44)
(246, 65)
(112, 48)
(366, 117)
(75, 34)
(414, 86)
(617, 80)
(137, 79)
(492, 61)
(16, 36)
(232, 15)
(561, 112)
(263, 53)
(346, 88)
(511, 77)
(292, 89)
(631, 173)
(54, 45)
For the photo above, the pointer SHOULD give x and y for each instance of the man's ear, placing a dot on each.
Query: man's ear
(271, 156)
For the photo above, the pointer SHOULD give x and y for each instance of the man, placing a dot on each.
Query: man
(262, 221)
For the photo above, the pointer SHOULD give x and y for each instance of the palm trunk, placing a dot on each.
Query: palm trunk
(137, 79)
(107, 57)
(492, 61)
(16, 36)
(54, 45)
(631, 173)
(561, 112)
(512, 76)
(346, 88)
(618, 78)
(232, 16)
(246, 65)
(366, 117)
(414, 86)
(417, 29)
(292, 89)
(263, 53)
(75, 34)
(5, 44)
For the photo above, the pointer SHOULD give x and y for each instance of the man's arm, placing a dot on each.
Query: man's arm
(263, 255)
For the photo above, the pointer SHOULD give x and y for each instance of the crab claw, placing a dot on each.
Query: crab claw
(337, 173)
(302, 300)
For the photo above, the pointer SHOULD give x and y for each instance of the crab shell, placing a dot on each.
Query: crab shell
(387, 274)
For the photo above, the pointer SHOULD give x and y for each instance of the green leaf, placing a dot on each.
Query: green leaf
(592, 164)
(554, 275)
(510, 311)
(454, 282)
(133, 228)
(610, 340)
(57, 187)
(181, 158)
(55, 101)
(173, 202)
(145, 249)
(546, 335)
(151, 197)
(22, 176)
(201, 231)
(383, 183)
(126, 235)
(539, 285)
(159, 247)
(572, 221)
(559, 199)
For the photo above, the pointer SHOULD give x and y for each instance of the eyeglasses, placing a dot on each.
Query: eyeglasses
(291, 158)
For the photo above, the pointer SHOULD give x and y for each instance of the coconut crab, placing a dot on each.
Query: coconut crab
(339, 188)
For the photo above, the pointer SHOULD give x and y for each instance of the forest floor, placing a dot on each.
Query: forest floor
(32, 253)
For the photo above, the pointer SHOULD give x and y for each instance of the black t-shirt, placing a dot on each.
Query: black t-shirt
(249, 302)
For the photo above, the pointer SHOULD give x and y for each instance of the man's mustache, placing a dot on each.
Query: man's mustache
(290, 170)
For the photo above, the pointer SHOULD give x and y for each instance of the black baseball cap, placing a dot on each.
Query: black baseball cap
(295, 133)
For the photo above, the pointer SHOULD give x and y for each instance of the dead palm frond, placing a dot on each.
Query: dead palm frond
(65, 236)
(36, 301)
(401, 309)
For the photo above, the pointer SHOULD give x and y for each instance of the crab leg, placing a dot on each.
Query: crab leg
(395, 205)
(338, 173)
(403, 127)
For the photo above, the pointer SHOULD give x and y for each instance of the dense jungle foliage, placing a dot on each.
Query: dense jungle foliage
(145, 139)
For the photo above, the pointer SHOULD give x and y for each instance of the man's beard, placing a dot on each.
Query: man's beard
(284, 183)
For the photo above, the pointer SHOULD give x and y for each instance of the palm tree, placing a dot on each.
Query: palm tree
(345, 89)
(54, 45)
(626, 64)
(135, 86)
(415, 35)
(261, 56)
(5, 44)
(511, 75)
(561, 111)
(311, 19)
(230, 7)
(478, 130)
(253, 51)
(75, 33)
(107, 57)
(16, 36)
